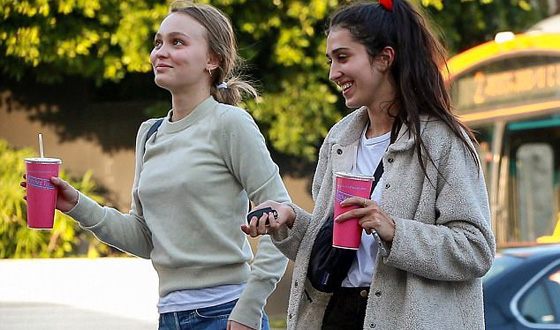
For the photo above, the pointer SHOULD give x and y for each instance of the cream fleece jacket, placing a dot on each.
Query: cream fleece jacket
(443, 239)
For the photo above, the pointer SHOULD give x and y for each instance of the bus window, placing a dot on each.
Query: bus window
(509, 92)
(534, 183)
(533, 180)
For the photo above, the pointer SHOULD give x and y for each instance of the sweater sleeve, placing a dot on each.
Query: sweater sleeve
(460, 245)
(125, 231)
(248, 159)
(288, 240)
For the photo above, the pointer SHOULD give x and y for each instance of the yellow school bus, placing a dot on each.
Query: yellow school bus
(508, 91)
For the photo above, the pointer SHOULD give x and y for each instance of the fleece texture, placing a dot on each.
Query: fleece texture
(443, 240)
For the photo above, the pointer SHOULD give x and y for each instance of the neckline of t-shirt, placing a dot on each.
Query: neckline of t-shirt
(375, 140)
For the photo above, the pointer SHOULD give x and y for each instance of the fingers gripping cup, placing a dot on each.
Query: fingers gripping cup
(348, 234)
(41, 193)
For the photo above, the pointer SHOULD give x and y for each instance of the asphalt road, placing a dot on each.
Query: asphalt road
(44, 316)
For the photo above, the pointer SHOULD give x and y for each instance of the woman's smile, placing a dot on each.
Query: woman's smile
(346, 88)
(162, 67)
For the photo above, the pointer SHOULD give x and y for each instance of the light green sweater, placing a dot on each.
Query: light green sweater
(190, 196)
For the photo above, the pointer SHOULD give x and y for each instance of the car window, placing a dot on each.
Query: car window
(540, 304)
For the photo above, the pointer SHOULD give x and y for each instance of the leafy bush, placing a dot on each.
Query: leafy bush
(282, 41)
(18, 241)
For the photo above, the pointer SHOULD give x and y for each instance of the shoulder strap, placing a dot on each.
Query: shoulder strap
(152, 130)
(377, 175)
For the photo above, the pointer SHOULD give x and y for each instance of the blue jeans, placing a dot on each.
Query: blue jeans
(209, 318)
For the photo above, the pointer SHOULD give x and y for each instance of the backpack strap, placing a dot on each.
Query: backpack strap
(152, 130)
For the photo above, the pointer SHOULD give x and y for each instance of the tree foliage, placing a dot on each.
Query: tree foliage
(282, 41)
(100, 39)
(18, 241)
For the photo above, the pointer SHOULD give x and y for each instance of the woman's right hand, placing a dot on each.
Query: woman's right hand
(257, 227)
(67, 195)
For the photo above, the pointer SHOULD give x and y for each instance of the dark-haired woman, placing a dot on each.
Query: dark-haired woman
(430, 208)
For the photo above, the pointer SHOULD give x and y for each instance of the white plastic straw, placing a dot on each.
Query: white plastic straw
(41, 145)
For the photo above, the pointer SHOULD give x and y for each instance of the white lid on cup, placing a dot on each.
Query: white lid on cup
(354, 176)
(44, 160)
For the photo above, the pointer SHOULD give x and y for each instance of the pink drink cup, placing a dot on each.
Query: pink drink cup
(41, 193)
(348, 234)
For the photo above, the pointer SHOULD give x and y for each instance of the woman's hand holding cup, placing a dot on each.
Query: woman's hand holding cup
(67, 195)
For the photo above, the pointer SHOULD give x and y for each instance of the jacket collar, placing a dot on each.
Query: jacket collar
(352, 132)
(405, 138)
(357, 121)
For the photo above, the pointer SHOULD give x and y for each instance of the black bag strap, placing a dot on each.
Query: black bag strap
(377, 175)
(152, 130)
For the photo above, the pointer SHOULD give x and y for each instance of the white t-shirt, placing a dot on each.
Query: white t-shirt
(370, 153)
(185, 300)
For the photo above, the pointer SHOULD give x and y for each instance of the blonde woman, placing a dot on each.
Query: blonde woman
(194, 178)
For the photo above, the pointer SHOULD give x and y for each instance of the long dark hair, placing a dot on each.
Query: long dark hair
(416, 67)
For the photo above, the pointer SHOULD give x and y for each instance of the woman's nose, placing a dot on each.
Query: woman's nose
(334, 74)
(162, 51)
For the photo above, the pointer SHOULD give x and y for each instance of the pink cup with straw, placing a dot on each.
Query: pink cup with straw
(348, 234)
(41, 193)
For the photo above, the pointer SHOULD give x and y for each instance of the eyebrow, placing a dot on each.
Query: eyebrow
(336, 51)
(174, 34)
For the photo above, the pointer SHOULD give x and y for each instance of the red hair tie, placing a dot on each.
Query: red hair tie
(387, 4)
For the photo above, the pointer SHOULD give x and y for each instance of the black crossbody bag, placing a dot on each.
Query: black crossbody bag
(328, 265)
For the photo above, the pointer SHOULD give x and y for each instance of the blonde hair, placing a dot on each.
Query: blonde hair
(222, 42)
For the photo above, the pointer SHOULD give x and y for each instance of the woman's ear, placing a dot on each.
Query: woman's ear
(213, 61)
(385, 58)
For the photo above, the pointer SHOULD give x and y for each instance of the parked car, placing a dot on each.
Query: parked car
(522, 289)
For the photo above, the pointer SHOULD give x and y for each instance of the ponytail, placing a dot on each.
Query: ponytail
(232, 91)
(222, 42)
(420, 88)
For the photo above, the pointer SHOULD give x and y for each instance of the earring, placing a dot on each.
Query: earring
(209, 72)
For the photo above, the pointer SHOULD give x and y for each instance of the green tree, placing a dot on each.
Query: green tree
(18, 241)
(467, 23)
(98, 39)
(282, 40)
